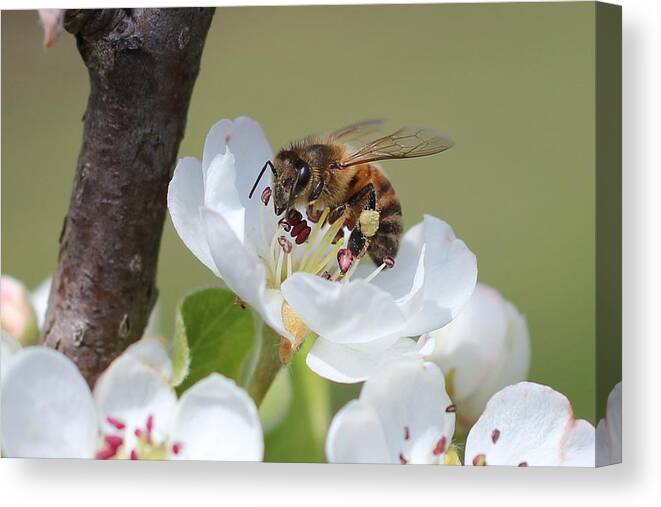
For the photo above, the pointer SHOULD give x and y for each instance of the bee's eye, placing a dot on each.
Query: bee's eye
(303, 171)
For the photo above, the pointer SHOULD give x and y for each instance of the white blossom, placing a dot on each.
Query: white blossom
(358, 319)
(49, 411)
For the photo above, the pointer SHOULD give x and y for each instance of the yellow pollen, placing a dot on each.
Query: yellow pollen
(369, 222)
(285, 352)
(452, 457)
(294, 324)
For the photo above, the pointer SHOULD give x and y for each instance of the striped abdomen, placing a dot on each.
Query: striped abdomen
(386, 240)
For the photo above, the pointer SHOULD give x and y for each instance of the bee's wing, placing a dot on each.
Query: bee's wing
(356, 131)
(407, 142)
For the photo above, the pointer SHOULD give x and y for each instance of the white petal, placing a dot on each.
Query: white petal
(9, 346)
(407, 397)
(39, 298)
(353, 312)
(410, 393)
(609, 430)
(473, 344)
(247, 142)
(221, 194)
(356, 436)
(512, 368)
(242, 270)
(152, 353)
(185, 197)
(517, 342)
(486, 348)
(357, 362)
(153, 328)
(535, 425)
(47, 408)
(131, 391)
(434, 276)
(217, 420)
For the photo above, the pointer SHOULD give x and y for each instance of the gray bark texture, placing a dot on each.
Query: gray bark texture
(142, 66)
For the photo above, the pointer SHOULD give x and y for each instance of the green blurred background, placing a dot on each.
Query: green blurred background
(512, 83)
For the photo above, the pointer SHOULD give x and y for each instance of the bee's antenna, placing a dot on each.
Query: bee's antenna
(261, 173)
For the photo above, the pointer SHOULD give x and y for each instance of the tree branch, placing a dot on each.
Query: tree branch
(142, 65)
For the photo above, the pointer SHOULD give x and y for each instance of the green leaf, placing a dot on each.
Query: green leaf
(217, 332)
(302, 434)
(179, 351)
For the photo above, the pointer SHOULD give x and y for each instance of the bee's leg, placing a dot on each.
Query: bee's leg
(337, 212)
(318, 188)
(365, 198)
(368, 218)
(358, 243)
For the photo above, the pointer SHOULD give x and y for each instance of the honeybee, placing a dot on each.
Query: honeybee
(325, 172)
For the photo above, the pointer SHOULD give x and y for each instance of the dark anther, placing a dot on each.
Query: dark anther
(294, 217)
(298, 228)
(302, 236)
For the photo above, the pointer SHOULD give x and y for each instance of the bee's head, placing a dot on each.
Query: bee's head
(291, 175)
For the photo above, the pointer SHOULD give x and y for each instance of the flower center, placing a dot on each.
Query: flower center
(315, 246)
(145, 445)
(298, 247)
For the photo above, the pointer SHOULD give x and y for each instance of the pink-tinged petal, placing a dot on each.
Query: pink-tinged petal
(51, 21)
(536, 426)
(185, 197)
(16, 314)
(47, 408)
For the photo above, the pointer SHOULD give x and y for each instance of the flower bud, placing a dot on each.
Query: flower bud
(51, 21)
(17, 316)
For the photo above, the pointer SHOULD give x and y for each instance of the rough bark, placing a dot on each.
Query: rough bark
(142, 66)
